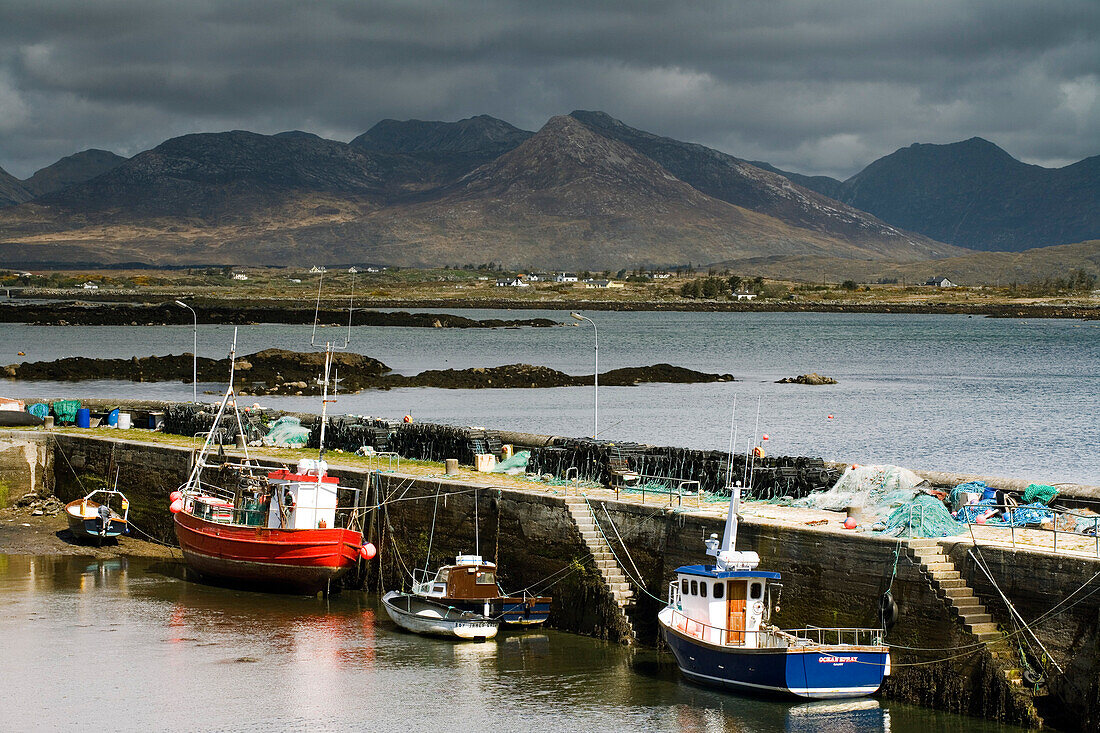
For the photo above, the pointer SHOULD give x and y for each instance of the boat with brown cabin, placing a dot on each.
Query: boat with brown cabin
(470, 584)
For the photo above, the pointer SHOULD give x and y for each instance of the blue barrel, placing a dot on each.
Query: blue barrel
(83, 418)
(112, 418)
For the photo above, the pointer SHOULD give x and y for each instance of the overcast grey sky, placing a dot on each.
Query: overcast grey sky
(815, 86)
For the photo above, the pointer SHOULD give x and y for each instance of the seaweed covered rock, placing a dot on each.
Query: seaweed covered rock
(812, 378)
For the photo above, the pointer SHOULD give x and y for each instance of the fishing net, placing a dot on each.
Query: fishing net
(516, 464)
(287, 432)
(1040, 493)
(65, 410)
(1029, 514)
(924, 516)
(877, 490)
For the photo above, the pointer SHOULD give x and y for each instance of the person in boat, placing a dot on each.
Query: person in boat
(104, 518)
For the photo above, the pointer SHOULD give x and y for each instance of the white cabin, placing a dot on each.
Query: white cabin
(311, 503)
(727, 607)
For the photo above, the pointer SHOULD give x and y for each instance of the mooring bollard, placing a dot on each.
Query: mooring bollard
(451, 466)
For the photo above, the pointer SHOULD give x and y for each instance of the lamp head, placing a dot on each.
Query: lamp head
(181, 303)
(578, 316)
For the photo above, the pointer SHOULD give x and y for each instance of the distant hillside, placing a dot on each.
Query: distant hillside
(12, 190)
(580, 194)
(978, 268)
(73, 169)
(973, 194)
(220, 177)
(738, 182)
(570, 197)
(441, 152)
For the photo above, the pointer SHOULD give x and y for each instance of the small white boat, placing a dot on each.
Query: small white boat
(421, 616)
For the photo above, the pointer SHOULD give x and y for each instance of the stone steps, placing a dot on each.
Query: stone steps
(614, 579)
(949, 585)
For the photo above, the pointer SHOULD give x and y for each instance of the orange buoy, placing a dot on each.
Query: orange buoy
(176, 506)
(368, 551)
(764, 437)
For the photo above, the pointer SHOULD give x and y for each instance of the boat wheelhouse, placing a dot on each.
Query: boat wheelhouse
(718, 625)
(471, 584)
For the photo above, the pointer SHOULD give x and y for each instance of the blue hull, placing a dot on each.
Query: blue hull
(836, 672)
(90, 529)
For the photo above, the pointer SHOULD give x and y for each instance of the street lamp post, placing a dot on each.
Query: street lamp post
(595, 376)
(194, 352)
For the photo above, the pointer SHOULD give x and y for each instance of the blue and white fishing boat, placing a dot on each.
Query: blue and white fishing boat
(717, 625)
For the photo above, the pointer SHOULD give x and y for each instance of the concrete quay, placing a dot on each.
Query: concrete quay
(608, 561)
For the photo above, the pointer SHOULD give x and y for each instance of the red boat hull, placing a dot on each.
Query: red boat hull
(303, 560)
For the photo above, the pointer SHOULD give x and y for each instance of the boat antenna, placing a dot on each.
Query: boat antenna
(317, 306)
(733, 439)
(477, 537)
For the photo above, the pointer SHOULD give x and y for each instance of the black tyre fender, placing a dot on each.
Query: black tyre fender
(888, 610)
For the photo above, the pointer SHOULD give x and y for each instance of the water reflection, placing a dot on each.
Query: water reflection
(173, 655)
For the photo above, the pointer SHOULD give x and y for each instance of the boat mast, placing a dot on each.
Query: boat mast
(330, 347)
(200, 463)
(729, 536)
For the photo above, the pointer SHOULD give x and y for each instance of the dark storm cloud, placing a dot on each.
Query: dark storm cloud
(811, 86)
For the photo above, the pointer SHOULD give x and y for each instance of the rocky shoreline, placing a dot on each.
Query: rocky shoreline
(94, 312)
(73, 313)
(281, 372)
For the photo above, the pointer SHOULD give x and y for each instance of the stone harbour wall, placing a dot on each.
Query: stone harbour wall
(829, 579)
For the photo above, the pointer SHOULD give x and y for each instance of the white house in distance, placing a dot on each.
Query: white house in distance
(512, 282)
(240, 276)
(90, 286)
(602, 284)
(565, 277)
(940, 282)
(744, 295)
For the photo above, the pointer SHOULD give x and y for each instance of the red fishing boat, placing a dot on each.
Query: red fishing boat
(281, 532)
(275, 528)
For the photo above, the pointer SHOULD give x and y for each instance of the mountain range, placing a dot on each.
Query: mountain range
(973, 194)
(586, 191)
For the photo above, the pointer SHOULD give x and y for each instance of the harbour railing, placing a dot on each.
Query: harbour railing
(1015, 518)
(836, 636)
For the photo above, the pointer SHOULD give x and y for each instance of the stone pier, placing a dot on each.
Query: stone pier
(943, 658)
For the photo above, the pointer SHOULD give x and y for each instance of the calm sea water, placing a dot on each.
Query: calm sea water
(128, 645)
(1004, 397)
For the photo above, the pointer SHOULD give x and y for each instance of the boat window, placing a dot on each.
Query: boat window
(486, 577)
(703, 589)
(756, 591)
(694, 588)
(684, 586)
(718, 590)
(441, 576)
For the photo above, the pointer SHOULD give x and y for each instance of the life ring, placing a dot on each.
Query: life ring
(888, 610)
(758, 608)
(758, 452)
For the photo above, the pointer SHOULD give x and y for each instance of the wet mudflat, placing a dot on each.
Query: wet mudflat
(129, 644)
